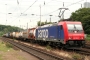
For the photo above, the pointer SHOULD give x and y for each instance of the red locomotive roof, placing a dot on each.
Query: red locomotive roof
(69, 22)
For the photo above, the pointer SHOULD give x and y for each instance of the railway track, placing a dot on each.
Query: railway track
(83, 51)
(87, 46)
(40, 54)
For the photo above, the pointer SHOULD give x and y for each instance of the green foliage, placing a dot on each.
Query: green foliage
(1, 57)
(5, 29)
(82, 15)
(8, 45)
(77, 57)
(2, 43)
(1, 33)
(5, 47)
(43, 23)
(88, 37)
(48, 47)
(21, 57)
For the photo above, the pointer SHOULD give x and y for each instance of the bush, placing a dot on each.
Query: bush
(48, 47)
(88, 37)
(8, 45)
(77, 57)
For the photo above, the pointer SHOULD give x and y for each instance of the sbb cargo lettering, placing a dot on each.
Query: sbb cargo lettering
(43, 33)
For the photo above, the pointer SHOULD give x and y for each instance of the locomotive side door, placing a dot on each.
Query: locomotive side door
(60, 33)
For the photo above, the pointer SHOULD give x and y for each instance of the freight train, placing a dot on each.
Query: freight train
(66, 33)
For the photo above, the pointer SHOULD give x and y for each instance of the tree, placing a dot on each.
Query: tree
(82, 15)
(43, 23)
(6, 29)
(40, 23)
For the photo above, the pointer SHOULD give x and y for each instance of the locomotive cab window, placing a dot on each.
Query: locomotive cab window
(61, 27)
(74, 27)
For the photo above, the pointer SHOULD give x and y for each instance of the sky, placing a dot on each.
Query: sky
(20, 12)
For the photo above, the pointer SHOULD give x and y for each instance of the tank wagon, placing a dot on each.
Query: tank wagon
(28, 34)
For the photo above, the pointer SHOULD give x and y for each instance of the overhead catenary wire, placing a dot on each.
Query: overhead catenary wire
(49, 12)
(25, 10)
(28, 8)
(74, 3)
(31, 6)
(64, 6)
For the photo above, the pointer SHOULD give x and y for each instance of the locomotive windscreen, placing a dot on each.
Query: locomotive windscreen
(74, 27)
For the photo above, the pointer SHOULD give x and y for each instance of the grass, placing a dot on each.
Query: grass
(21, 58)
(88, 37)
(8, 45)
(48, 47)
(1, 57)
(77, 57)
(5, 47)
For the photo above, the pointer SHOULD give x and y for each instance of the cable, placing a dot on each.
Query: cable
(66, 6)
(47, 3)
(52, 11)
(74, 3)
(30, 6)
(25, 10)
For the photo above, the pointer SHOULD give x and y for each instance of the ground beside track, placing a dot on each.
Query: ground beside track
(61, 52)
(8, 53)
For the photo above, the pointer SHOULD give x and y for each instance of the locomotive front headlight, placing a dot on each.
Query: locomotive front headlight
(70, 38)
(82, 38)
